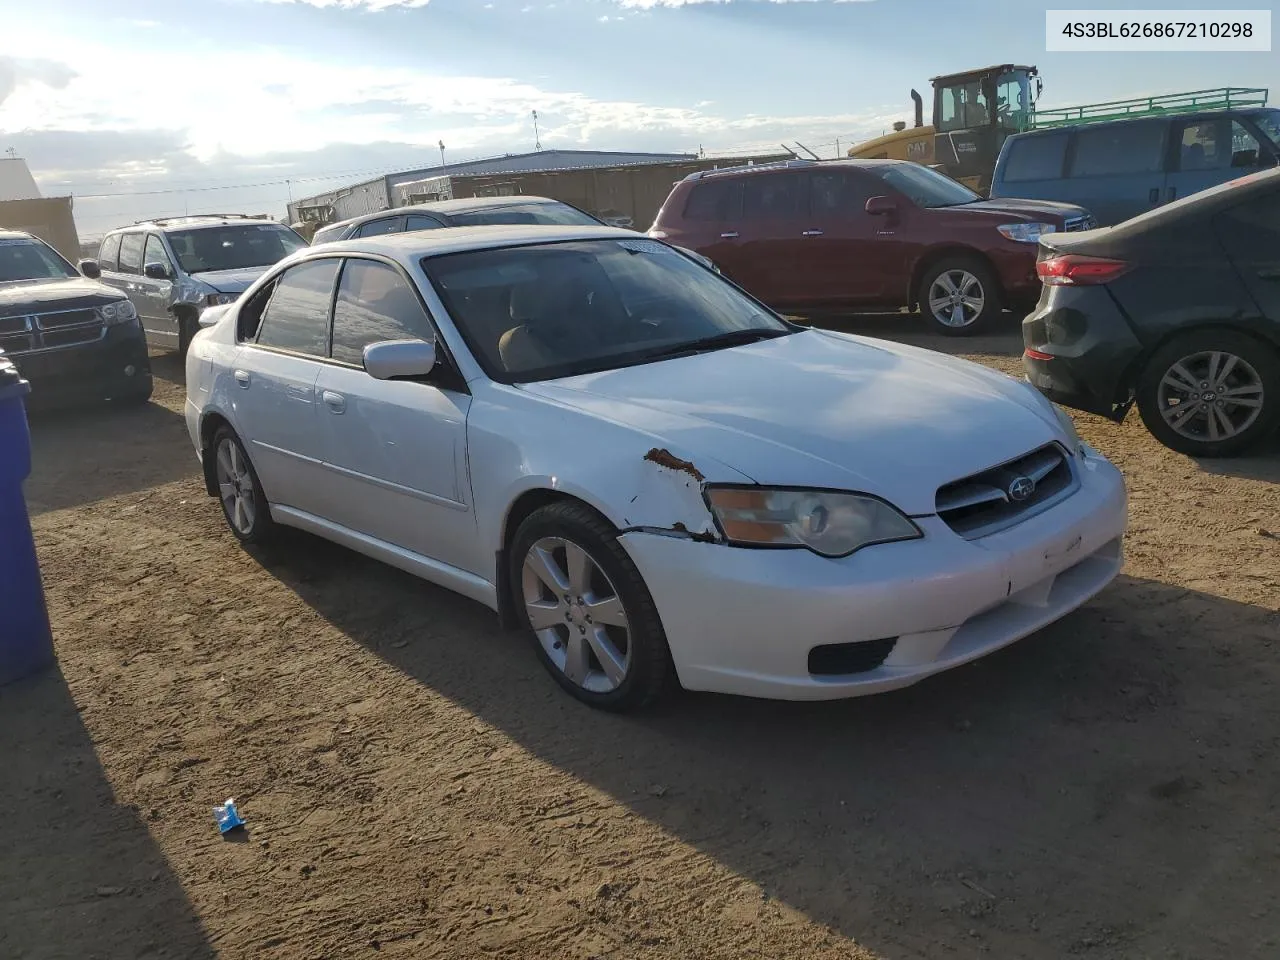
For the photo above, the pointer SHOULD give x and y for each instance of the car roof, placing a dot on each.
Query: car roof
(196, 222)
(758, 169)
(411, 246)
(446, 207)
(1193, 115)
(16, 235)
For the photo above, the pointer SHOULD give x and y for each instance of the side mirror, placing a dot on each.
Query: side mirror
(211, 315)
(881, 206)
(393, 359)
(90, 269)
(156, 271)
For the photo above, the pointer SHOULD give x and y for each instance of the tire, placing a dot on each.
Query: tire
(138, 397)
(647, 674)
(188, 327)
(957, 269)
(260, 528)
(1253, 375)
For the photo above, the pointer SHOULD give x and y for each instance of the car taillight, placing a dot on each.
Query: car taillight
(1075, 270)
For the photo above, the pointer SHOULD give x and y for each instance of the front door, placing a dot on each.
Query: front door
(155, 295)
(1251, 235)
(275, 386)
(394, 450)
(1209, 152)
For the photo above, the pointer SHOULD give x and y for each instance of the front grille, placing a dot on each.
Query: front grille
(990, 501)
(1074, 224)
(840, 659)
(51, 330)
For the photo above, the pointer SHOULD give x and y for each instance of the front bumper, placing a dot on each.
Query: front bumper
(744, 621)
(115, 366)
(1091, 348)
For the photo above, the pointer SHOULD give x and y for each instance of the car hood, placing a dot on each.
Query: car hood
(231, 281)
(825, 409)
(37, 296)
(1029, 209)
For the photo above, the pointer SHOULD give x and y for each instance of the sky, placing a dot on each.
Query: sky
(145, 108)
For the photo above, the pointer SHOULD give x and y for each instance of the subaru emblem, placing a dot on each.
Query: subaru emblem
(1021, 489)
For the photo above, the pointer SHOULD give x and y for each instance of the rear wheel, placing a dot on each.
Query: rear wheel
(593, 622)
(239, 491)
(959, 296)
(1211, 393)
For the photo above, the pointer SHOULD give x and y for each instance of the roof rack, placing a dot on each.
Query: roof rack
(1218, 98)
(740, 168)
(205, 216)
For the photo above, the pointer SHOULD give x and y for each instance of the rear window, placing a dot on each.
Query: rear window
(1035, 158)
(710, 201)
(1122, 148)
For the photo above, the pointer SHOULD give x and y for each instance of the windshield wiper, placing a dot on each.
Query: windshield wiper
(721, 341)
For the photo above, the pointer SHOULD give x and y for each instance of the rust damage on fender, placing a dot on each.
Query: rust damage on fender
(665, 458)
(706, 536)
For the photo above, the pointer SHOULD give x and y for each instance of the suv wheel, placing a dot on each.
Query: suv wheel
(959, 296)
(1211, 393)
(188, 327)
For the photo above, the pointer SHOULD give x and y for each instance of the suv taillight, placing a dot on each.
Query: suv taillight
(1075, 270)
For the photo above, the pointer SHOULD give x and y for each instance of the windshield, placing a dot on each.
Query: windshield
(925, 187)
(234, 247)
(559, 309)
(31, 260)
(1269, 121)
(551, 214)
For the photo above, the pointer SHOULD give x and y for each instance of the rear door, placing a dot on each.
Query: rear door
(774, 230)
(1207, 152)
(847, 254)
(1117, 170)
(1032, 166)
(710, 223)
(1250, 233)
(109, 261)
(128, 278)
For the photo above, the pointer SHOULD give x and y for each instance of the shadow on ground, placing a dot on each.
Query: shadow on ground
(80, 876)
(910, 820)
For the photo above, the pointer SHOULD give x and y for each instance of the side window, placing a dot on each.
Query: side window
(417, 222)
(109, 253)
(963, 108)
(1201, 146)
(1119, 149)
(838, 192)
(155, 252)
(131, 253)
(374, 303)
(297, 315)
(713, 200)
(1245, 149)
(1035, 158)
(375, 228)
(773, 196)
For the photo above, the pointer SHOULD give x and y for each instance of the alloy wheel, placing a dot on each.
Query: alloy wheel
(576, 614)
(1211, 395)
(956, 298)
(235, 487)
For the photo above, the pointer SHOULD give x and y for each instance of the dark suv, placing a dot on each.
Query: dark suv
(808, 236)
(76, 339)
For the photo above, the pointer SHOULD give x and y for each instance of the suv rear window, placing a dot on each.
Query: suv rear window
(710, 201)
(1035, 158)
(1120, 149)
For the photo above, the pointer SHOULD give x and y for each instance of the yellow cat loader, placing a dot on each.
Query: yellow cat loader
(973, 113)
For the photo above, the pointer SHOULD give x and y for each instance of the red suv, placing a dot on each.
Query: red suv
(809, 236)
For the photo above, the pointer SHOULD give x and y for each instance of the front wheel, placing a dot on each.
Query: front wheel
(593, 622)
(188, 327)
(1211, 393)
(959, 296)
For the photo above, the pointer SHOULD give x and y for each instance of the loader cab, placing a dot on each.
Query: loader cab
(973, 113)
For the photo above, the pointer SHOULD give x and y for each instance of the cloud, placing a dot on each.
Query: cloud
(16, 72)
(650, 4)
(374, 5)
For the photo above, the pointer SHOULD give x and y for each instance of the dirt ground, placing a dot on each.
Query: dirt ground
(415, 786)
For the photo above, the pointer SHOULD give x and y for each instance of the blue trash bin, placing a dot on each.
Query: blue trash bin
(26, 643)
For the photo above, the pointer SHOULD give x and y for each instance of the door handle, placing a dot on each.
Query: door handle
(1173, 194)
(811, 233)
(1154, 196)
(334, 401)
(242, 377)
(732, 235)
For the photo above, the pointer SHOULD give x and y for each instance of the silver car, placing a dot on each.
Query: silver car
(174, 269)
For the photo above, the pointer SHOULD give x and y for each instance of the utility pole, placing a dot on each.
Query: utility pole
(537, 138)
(445, 167)
(837, 148)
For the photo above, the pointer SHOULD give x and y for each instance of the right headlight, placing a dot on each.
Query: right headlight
(830, 524)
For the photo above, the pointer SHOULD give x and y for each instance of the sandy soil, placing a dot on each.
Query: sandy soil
(415, 786)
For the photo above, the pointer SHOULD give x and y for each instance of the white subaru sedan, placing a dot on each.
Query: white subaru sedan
(646, 471)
